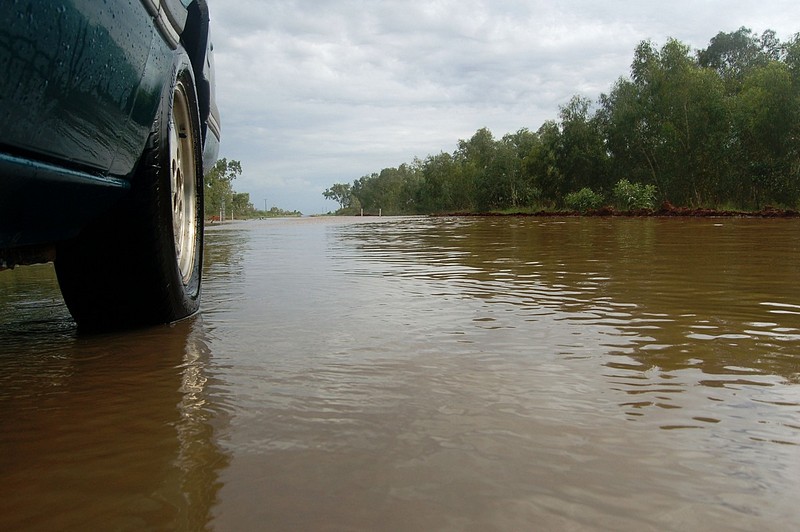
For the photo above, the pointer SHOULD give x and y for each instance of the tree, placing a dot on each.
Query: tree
(669, 125)
(543, 165)
(731, 54)
(475, 156)
(515, 155)
(219, 186)
(241, 206)
(582, 156)
(767, 125)
(792, 57)
(629, 134)
(392, 191)
(341, 193)
(442, 187)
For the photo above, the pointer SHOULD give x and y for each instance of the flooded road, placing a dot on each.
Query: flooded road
(423, 374)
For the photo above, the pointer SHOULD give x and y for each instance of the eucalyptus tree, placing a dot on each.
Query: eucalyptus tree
(767, 126)
(341, 193)
(733, 55)
(218, 188)
(543, 165)
(475, 156)
(669, 122)
(582, 155)
(521, 147)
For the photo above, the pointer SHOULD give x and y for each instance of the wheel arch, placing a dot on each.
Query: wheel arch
(196, 42)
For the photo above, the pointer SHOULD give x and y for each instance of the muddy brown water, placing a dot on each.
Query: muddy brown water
(423, 374)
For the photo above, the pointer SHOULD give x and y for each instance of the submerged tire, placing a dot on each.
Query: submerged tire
(140, 264)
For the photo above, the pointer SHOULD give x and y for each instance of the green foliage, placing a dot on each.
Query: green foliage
(275, 212)
(766, 125)
(716, 127)
(668, 126)
(442, 186)
(581, 151)
(393, 191)
(241, 206)
(583, 200)
(733, 55)
(341, 194)
(219, 193)
(629, 196)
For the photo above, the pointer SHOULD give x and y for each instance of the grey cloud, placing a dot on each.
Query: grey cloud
(318, 92)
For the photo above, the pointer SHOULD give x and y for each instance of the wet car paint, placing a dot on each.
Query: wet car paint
(82, 86)
(74, 71)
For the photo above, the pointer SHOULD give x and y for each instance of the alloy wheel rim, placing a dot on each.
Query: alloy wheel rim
(183, 183)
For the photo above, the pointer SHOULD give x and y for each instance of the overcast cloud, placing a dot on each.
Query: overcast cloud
(318, 92)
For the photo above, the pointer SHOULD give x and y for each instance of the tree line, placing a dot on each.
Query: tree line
(716, 128)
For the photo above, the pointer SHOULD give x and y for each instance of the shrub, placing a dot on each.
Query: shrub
(583, 200)
(631, 196)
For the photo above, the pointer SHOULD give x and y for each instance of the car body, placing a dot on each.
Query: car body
(94, 100)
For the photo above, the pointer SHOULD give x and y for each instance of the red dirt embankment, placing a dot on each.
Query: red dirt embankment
(668, 209)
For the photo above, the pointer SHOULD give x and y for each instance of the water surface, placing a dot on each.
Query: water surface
(423, 374)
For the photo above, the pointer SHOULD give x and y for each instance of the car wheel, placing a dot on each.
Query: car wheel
(140, 264)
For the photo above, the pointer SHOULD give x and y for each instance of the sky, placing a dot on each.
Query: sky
(313, 93)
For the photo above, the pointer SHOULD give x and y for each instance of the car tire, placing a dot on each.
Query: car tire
(140, 264)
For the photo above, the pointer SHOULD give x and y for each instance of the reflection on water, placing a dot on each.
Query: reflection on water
(426, 374)
(107, 432)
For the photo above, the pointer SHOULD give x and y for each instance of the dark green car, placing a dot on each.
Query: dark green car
(107, 120)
